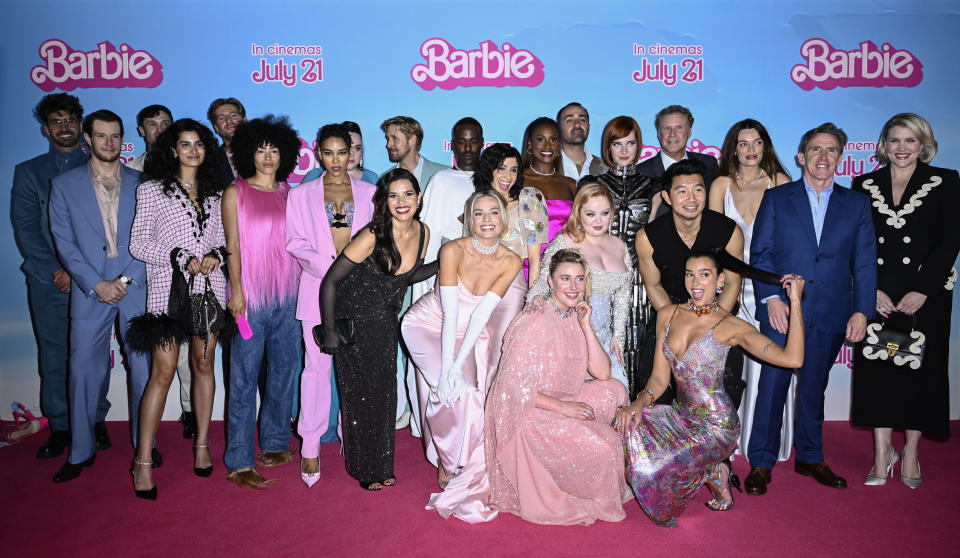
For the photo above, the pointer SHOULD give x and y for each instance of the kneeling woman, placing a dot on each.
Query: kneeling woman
(475, 273)
(362, 293)
(673, 449)
(552, 456)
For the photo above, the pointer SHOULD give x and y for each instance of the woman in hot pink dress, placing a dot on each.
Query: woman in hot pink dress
(543, 170)
(552, 456)
(475, 273)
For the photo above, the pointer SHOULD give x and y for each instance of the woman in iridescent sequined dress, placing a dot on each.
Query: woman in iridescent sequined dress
(552, 456)
(674, 449)
(587, 230)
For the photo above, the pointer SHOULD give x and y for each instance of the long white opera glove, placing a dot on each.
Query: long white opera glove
(449, 303)
(452, 383)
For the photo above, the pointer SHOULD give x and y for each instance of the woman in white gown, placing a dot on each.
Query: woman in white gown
(748, 167)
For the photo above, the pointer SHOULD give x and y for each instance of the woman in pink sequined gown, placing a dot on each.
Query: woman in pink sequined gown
(475, 273)
(672, 450)
(552, 456)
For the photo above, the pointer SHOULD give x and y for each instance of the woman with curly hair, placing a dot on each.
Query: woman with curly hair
(360, 298)
(263, 285)
(177, 232)
(524, 233)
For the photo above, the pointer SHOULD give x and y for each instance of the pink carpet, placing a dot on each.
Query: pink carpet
(98, 515)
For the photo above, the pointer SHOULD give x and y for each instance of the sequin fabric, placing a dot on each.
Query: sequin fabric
(526, 222)
(671, 450)
(367, 369)
(543, 466)
(610, 299)
(632, 200)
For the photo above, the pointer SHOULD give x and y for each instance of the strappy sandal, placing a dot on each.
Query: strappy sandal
(720, 486)
(392, 481)
(372, 487)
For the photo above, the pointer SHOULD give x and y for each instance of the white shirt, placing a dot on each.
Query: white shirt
(443, 203)
(668, 161)
(137, 164)
(570, 168)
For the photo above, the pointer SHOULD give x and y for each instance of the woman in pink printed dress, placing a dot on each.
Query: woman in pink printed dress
(674, 449)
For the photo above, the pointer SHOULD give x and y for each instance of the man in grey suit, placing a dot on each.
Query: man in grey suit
(48, 283)
(574, 124)
(91, 214)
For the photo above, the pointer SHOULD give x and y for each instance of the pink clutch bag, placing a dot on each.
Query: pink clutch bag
(243, 326)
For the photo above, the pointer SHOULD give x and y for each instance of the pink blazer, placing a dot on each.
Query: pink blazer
(310, 241)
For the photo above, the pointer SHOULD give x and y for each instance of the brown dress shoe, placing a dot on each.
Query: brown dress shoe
(757, 481)
(821, 472)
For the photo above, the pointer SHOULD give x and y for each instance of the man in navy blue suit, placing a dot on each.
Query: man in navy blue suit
(91, 214)
(824, 233)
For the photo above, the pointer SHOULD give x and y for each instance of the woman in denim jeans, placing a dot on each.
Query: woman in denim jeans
(263, 284)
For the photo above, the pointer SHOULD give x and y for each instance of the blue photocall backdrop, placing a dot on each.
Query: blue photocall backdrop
(790, 65)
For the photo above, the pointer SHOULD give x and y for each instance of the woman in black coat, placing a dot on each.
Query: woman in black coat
(914, 207)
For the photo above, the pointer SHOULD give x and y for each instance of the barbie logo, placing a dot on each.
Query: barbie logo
(827, 67)
(106, 66)
(447, 67)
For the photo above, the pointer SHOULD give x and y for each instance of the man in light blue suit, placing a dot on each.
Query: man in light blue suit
(824, 233)
(91, 214)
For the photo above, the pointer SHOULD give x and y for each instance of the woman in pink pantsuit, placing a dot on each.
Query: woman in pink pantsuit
(322, 216)
(475, 273)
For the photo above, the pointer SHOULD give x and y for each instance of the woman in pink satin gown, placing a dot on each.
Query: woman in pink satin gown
(448, 339)
(552, 456)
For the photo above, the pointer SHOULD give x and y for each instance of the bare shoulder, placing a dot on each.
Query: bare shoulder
(731, 330)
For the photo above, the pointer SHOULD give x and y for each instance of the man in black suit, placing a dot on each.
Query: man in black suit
(674, 125)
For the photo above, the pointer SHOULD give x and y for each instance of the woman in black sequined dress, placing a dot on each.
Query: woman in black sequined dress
(366, 284)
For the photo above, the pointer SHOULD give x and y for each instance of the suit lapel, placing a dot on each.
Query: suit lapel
(319, 211)
(804, 216)
(917, 179)
(83, 195)
(360, 214)
(835, 207)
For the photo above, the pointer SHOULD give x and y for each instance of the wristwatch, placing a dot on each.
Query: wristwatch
(125, 280)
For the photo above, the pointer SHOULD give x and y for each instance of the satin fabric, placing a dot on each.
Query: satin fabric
(452, 436)
(557, 213)
(500, 319)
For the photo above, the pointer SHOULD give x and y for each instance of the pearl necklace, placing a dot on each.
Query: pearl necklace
(485, 250)
(740, 178)
(711, 308)
(551, 173)
(556, 308)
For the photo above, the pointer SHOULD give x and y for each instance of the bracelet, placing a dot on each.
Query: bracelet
(653, 398)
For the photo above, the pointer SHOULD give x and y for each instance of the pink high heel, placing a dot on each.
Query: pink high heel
(24, 424)
(309, 479)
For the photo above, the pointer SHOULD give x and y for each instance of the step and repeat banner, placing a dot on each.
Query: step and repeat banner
(791, 66)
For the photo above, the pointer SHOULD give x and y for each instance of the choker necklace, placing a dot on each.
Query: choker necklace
(188, 188)
(485, 250)
(551, 173)
(711, 308)
(556, 308)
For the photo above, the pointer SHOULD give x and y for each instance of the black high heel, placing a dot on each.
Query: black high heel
(149, 494)
(206, 471)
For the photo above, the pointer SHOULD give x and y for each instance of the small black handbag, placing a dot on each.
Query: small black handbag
(899, 347)
(205, 311)
(345, 328)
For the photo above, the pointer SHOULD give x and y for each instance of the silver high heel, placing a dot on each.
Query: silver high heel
(910, 482)
(874, 480)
